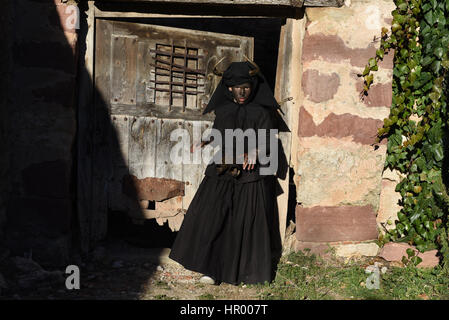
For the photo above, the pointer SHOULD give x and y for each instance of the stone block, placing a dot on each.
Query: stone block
(47, 179)
(332, 48)
(60, 92)
(44, 217)
(379, 95)
(357, 250)
(319, 87)
(317, 248)
(361, 130)
(47, 252)
(337, 171)
(344, 250)
(50, 54)
(388, 204)
(330, 224)
(356, 25)
(391, 175)
(395, 251)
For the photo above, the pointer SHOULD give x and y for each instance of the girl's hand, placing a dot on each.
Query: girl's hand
(194, 147)
(198, 145)
(249, 160)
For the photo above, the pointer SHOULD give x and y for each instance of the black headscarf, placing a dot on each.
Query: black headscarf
(238, 73)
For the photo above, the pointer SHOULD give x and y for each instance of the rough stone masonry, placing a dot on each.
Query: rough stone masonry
(42, 125)
(338, 171)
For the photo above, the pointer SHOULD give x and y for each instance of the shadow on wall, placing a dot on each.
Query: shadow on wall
(43, 233)
(4, 89)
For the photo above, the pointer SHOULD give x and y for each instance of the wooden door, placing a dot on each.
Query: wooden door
(151, 80)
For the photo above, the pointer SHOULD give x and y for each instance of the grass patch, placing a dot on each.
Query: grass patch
(164, 297)
(206, 296)
(162, 285)
(302, 275)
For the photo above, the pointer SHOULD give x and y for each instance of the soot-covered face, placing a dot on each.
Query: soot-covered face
(241, 92)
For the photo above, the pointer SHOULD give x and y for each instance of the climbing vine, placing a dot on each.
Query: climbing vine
(416, 127)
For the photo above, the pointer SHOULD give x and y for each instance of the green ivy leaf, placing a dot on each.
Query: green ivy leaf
(434, 4)
(427, 60)
(426, 7)
(436, 66)
(369, 80)
(439, 52)
(380, 53)
(410, 252)
(434, 96)
(403, 69)
(438, 152)
(403, 7)
(429, 16)
(416, 260)
(418, 89)
(366, 71)
(423, 176)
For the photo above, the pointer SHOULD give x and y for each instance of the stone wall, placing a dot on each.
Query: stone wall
(42, 127)
(4, 89)
(338, 169)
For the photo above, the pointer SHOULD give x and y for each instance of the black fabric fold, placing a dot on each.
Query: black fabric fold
(228, 231)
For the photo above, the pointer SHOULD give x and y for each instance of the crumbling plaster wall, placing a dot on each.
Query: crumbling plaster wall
(42, 126)
(342, 193)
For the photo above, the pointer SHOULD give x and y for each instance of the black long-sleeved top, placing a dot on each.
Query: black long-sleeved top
(248, 116)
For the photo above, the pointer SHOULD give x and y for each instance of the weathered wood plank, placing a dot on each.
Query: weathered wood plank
(192, 168)
(150, 110)
(143, 72)
(323, 3)
(165, 167)
(168, 167)
(124, 69)
(102, 171)
(117, 200)
(142, 147)
(193, 173)
(120, 125)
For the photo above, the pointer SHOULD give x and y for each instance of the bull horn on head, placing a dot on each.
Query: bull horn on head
(215, 71)
(254, 71)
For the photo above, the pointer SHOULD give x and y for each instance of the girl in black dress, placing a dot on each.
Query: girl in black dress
(227, 232)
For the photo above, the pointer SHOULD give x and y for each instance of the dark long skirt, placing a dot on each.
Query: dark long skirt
(227, 229)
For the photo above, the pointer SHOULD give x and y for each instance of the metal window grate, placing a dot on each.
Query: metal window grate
(177, 73)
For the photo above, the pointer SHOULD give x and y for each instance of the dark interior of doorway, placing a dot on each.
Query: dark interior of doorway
(266, 34)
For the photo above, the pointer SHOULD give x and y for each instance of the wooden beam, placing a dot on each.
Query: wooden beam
(290, 3)
(323, 3)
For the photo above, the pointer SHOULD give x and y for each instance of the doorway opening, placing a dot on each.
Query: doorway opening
(266, 35)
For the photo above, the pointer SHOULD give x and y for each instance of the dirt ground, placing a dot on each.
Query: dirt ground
(119, 271)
